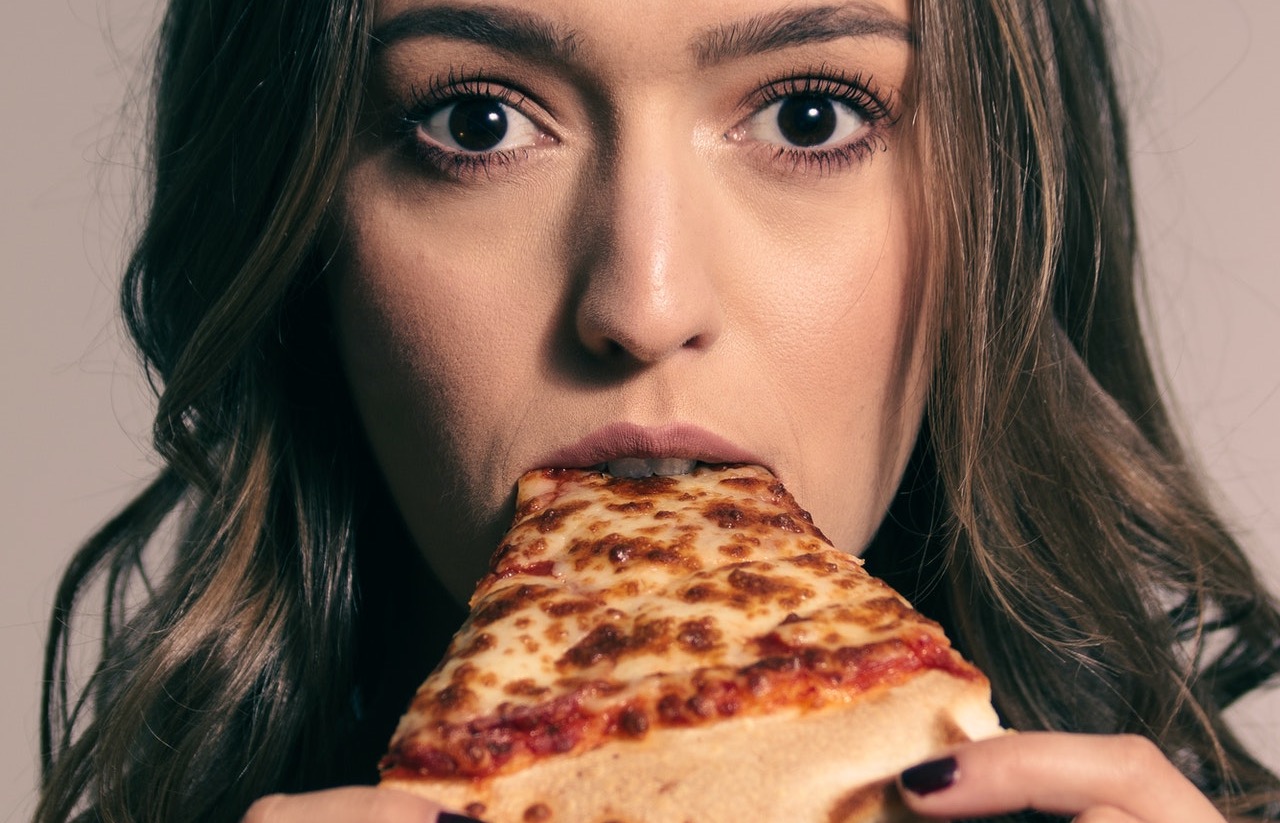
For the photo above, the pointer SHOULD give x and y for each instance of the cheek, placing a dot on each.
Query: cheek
(434, 314)
(849, 350)
(413, 323)
(439, 344)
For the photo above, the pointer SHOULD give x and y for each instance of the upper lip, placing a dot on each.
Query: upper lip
(632, 440)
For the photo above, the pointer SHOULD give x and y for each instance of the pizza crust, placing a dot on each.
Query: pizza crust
(834, 765)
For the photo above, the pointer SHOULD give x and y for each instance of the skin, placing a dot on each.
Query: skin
(651, 252)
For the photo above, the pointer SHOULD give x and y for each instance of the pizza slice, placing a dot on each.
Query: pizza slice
(685, 648)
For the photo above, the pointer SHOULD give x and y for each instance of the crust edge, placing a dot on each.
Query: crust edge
(834, 765)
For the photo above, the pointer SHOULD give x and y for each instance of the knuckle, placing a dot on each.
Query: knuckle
(265, 809)
(1102, 814)
(1138, 755)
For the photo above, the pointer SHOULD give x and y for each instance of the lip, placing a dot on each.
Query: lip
(632, 440)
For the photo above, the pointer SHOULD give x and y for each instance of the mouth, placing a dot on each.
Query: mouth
(633, 467)
(633, 451)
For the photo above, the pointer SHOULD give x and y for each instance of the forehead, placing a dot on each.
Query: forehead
(702, 32)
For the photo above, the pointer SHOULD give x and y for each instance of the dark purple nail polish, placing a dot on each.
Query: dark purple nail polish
(931, 776)
(450, 817)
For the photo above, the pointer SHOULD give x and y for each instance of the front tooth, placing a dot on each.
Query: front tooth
(639, 467)
(668, 466)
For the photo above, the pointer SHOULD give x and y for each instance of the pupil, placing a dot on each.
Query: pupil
(478, 124)
(807, 120)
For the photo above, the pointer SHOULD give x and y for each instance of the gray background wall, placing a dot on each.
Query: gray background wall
(73, 411)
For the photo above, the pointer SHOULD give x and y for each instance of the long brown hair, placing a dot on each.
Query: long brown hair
(1066, 541)
(206, 696)
(1085, 571)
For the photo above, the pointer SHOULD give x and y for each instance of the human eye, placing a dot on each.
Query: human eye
(461, 126)
(819, 121)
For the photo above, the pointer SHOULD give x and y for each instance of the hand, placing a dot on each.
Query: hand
(1093, 778)
(358, 803)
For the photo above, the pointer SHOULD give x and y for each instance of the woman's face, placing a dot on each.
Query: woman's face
(574, 232)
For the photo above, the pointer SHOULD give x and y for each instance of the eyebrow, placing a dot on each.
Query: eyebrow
(520, 32)
(792, 27)
(500, 28)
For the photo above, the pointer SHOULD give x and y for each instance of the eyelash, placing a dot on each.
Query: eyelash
(857, 91)
(423, 103)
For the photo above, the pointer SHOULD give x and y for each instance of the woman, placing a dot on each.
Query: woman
(399, 252)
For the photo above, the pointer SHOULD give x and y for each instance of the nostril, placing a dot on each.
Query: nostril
(613, 348)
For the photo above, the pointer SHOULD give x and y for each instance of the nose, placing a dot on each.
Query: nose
(649, 291)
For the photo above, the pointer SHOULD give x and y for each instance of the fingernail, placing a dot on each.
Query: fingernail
(450, 817)
(931, 776)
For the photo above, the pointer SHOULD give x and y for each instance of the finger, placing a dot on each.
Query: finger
(1105, 814)
(358, 803)
(1064, 774)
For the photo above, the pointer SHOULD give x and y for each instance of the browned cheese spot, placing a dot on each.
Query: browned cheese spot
(698, 636)
(476, 809)
(746, 484)
(627, 588)
(631, 507)
(537, 813)
(883, 613)
(663, 515)
(564, 608)
(758, 585)
(604, 642)
(632, 722)
(700, 705)
(622, 551)
(737, 551)
(700, 593)
(783, 522)
(608, 642)
(496, 608)
(669, 708)
(556, 632)
(453, 696)
(553, 519)
(525, 687)
(482, 642)
(817, 562)
(618, 549)
(640, 487)
(729, 515)
(523, 622)
(530, 645)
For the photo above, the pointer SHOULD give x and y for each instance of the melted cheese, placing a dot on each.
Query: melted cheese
(616, 604)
